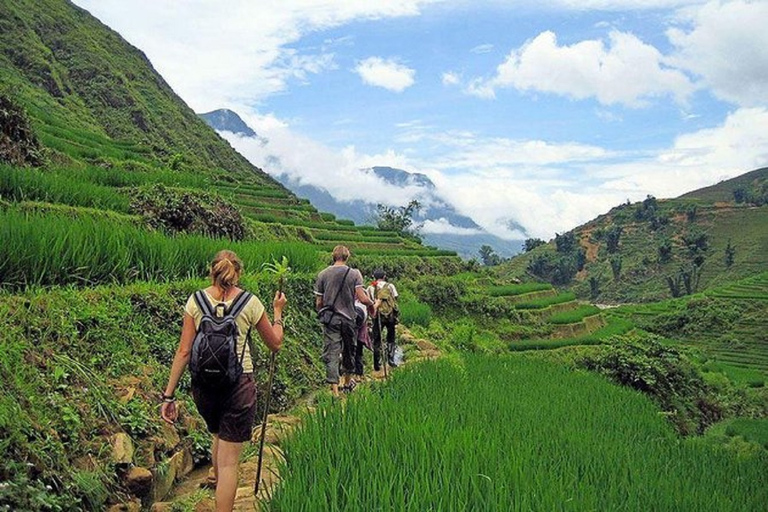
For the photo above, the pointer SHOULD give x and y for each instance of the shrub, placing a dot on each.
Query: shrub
(181, 211)
(439, 292)
(643, 363)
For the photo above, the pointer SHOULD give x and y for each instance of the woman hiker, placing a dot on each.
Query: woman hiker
(229, 411)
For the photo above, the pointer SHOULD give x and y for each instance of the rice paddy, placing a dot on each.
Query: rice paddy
(507, 434)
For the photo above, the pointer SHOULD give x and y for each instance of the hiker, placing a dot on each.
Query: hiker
(229, 409)
(386, 316)
(336, 288)
(362, 339)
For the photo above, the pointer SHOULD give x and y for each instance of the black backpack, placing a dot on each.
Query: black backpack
(214, 361)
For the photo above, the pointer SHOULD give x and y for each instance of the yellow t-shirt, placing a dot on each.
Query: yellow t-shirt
(247, 319)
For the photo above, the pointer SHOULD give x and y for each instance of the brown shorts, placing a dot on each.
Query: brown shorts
(229, 413)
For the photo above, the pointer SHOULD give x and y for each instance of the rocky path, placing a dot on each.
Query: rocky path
(188, 494)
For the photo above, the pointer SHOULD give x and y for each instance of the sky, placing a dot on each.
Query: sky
(530, 116)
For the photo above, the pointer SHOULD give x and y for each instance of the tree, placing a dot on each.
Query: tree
(730, 252)
(691, 212)
(612, 237)
(532, 243)
(594, 287)
(489, 257)
(399, 220)
(665, 250)
(565, 242)
(616, 266)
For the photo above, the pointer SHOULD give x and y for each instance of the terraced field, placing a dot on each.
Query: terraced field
(739, 337)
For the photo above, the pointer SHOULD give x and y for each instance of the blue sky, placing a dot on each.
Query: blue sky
(546, 113)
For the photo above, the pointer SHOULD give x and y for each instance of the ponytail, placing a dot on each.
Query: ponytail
(226, 269)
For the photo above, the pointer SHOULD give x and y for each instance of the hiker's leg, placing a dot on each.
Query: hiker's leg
(376, 345)
(226, 487)
(391, 343)
(348, 344)
(214, 456)
(331, 355)
(359, 358)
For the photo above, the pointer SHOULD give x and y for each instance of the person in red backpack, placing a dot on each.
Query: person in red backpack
(384, 295)
(229, 412)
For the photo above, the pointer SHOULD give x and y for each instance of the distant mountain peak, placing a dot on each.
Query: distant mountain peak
(225, 120)
(401, 178)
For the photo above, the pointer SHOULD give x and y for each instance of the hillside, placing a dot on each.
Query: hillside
(655, 249)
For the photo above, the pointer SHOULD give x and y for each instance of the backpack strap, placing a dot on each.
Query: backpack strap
(235, 309)
(239, 303)
(203, 303)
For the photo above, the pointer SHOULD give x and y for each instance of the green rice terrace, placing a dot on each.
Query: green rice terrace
(521, 390)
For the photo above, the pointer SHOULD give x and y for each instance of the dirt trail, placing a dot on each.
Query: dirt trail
(279, 426)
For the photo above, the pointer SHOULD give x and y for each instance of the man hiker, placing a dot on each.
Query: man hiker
(336, 288)
(386, 315)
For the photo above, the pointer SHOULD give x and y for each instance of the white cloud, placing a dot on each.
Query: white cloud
(622, 5)
(545, 187)
(556, 194)
(388, 74)
(443, 226)
(450, 78)
(727, 45)
(232, 56)
(627, 71)
(338, 172)
(482, 48)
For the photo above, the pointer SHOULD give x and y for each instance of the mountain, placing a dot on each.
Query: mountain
(444, 226)
(85, 88)
(226, 120)
(659, 248)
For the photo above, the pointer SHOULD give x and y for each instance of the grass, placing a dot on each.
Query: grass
(44, 250)
(574, 315)
(503, 433)
(517, 289)
(546, 301)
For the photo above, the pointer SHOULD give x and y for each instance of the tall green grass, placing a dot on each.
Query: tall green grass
(506, 434)
(52, 249)
(547, 301)
(414, 312)
(34, 185)
(573, 315)
(517, 289)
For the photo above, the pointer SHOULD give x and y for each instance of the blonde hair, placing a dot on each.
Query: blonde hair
(340, 253)
(226, 269)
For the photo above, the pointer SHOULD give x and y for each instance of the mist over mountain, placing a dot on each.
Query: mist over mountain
(441, 224)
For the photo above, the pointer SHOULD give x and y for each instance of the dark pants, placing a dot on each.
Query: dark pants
(378, 327)
(358, 358)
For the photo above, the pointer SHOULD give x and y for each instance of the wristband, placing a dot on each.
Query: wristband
(279, 321)
(168, 399)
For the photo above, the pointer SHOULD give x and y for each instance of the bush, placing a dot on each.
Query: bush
(643, 363)
(439, 292)
(181, 211)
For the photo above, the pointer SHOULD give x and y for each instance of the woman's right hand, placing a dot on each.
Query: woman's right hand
(169, 412)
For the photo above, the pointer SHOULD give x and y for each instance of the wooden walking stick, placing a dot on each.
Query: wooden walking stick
(264, 423)
(280, 269)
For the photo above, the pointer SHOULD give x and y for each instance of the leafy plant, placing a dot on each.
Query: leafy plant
(279, 269)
